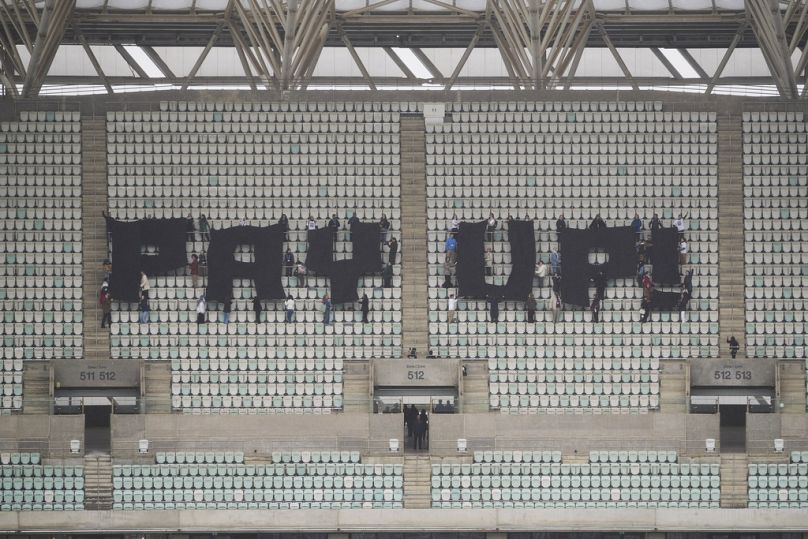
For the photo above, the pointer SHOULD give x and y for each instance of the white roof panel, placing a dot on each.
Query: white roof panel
(418, 5)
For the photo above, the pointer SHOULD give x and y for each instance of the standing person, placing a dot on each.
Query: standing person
(420, 430)
(333, 225)
(681, 306)
(289, 305)
(733, 346)
(311, 224)
(561, 224)
(393, 246)
(410, 417)
(144, 285)
(541, 272)
(448, 269)
(365, 304)
(354, 220)
(680, 225)
(555, 261)
(452, 309)
(636, 224)
(493, 308)
(656, 224)
(105, 299)
(284, 222)
(144, 309)
(326, 301)
(645, 310)
(384, 228)
(423, 418)
(640, 272)
(682, 251)
(530, 305)
(597, 223)
(300, 273)
(288, 262)
(204, 228)
(557, 285)
(489, 262)
(600, 284)
(201, 307)
(257, 308)
(490, 227)
(450, 248)
(688, 282)
(387, 276)
(594, 307)
(454, 225)
(194, 267)
(647, 286)
(228, 306)
(555, 303)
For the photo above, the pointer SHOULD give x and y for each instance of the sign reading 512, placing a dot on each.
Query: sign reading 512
(732, 374)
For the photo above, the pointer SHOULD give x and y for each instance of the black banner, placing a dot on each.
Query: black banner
(665, 256)
(575, 246)
(128, 238)
(470, 267)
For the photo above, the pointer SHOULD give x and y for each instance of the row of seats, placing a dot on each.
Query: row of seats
(26, 484)
(776, 235)
(286, 106)
(556, 106)
(611, 479)
(303, 480)
(781, 485)
(573, 139)
(234, 161)
(40, 242)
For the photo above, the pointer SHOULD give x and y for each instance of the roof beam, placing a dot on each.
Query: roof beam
(399, 62)
(93, 60)
(359, 63)
(693, 63)
(463, 60)
(767, 23)
(52, 24)
(618, 58)
(158, 61)
(725, 59)
(136, 67)
(667, 63)
(424, 59)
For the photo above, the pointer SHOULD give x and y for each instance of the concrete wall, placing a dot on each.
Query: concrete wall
(412, 520)
(99, 104)
(49, 435)
(573, 433)
(254, 433)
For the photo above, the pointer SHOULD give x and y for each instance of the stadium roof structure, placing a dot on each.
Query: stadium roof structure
(75, 46)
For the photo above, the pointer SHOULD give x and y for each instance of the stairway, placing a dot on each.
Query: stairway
(417, 482)
(674, 380)
(474, 399)
(157, 393)
(97, 482)
(35, 384)
(734, 493)
(414, 271)
(94, 235)
(792, 390)
(730, 229)
(356, 387)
